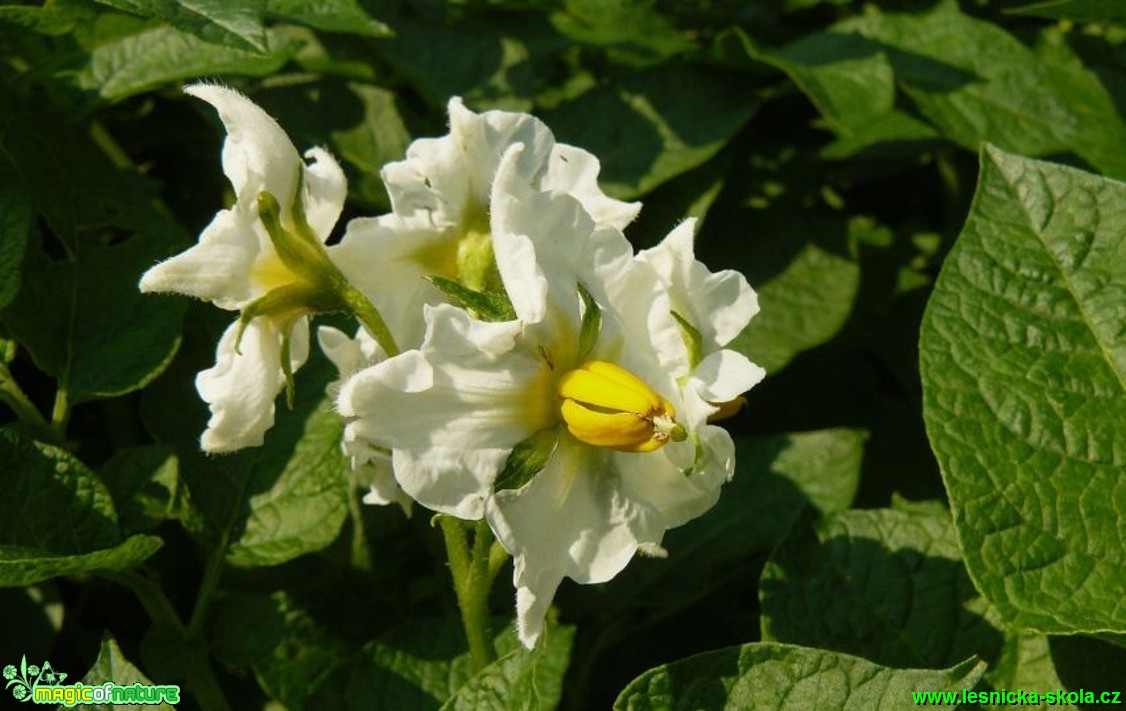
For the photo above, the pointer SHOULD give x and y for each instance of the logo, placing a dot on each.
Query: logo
(44, 685)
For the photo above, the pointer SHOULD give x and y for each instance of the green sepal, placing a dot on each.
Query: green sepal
(297, 211)
(591, 324)
(299, 250)
(486, 306)
(286, 364)
(693, 341)
(283, 305)
(527, 459)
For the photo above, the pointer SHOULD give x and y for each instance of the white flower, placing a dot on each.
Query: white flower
(441, 197)
(626, 463)
(716, 307)
(370, 465)
(235, 264)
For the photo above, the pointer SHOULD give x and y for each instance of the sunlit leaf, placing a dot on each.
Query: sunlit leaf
(1023, 356)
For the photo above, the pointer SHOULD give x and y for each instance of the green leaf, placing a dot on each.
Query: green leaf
(16, 215)
(51, 501)
(418, 665)
(1078, 10)
(492, 67)
(376, 137)
(233, 24)
(807, 284)
(272, 503)
(526, 459)
(244, 628)
(307, 654)
(111, 665)
(86, 323)
(591, 327)
(655, 124)
(337, 16)
(777, 676)
(889, 585)
(81, 316)
(156, 56)
(52, 18)
(521, 679)
(145, 485)
(1023, 360)
(852, 84)
(24, 566)
(968, 78)
(637, 29)
(886, 585)
(56, 517)
(483, 305)
(364, 124)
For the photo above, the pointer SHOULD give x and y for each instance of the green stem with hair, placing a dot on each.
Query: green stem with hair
(473, 571)
(370, 317)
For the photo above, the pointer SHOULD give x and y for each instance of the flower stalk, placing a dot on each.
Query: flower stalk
(473, 571)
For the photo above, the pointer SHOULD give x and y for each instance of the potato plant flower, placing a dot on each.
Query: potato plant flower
(560, 426)
(264, 257)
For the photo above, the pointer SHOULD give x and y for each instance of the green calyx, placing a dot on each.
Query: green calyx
(298, 249)
(307, 283)
(313, 284)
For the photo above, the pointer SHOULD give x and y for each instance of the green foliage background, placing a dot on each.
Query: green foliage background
(930, 490)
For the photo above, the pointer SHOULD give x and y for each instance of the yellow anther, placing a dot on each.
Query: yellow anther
(607, 406)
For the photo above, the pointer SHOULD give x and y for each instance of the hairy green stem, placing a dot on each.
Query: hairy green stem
(472, 582)
(497, 558)
(370, 317)
(60, 414)
(359, 553)
(208, 586)
(14, 397)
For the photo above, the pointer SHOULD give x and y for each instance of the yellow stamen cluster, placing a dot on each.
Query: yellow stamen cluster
(607, 406)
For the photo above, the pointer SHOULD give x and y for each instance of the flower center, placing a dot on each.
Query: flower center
(607, 406)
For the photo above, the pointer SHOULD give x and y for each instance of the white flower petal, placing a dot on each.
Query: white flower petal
(450, 480)
(257, 154)
(666, 485)
(409, 187)
(338, 347)
(452, 176)
(575, 171)
(722, 376)
(545, 245)
(452, 411)
(349, 354)
(388, 258)
(378, 475)
(240, 388)
(217, 269)
(484, 138)
(325, 190)
(532, 604)
(719, 305)
(657, 348)
(525, 283)
(571, 520)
